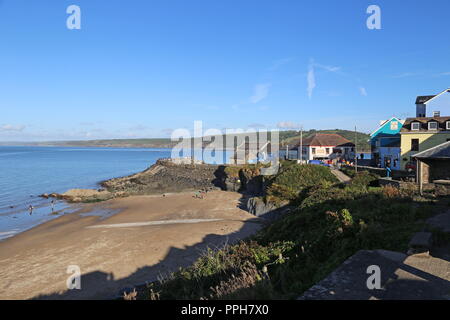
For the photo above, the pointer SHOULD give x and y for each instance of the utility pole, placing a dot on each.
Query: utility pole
(287, 152)
(356, 155)
(301, 145)
(192, 150)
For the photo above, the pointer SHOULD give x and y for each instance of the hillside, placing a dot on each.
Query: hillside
(113, 143)
(286, 137)
(362, 139)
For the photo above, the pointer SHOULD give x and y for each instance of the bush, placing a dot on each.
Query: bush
(220, 274)
(293, 180)
(365, 179)
(391, 192)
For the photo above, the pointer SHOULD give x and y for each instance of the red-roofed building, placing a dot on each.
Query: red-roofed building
(326, 146)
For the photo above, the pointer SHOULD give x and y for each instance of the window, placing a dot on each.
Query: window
(448, 125)
(394, 125)
(433, 125)
(414, 144)
(415, 126)
(313, 150)
(327, 150)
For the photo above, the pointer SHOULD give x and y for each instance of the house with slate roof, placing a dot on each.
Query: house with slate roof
(323, 146)
(385, 144)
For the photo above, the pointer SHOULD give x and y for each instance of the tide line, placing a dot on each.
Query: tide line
(150, 223)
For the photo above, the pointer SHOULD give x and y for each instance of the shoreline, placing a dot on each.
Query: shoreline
(143, 237)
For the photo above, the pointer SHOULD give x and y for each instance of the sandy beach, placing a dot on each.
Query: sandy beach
(147, 236)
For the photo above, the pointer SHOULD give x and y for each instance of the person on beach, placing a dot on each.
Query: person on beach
(53, 205)
(30, 208)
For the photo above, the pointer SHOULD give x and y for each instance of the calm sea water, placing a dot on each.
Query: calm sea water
(27, 172)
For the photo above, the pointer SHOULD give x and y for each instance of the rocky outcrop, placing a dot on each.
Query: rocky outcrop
(258, 207)
(168, 176)
(251, 183)
(85, 195)
(175, 176)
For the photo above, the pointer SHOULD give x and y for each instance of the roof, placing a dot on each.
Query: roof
(441, 151)
(385, 122)
(325, 139)
(424, 120)
(424, 99)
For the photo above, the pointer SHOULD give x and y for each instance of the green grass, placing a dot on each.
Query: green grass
(294, 179)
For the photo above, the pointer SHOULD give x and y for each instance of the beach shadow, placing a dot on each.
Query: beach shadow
(100, 285)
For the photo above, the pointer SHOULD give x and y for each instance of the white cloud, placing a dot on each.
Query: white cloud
(261, 91)
(279, 63)
(10, 128)
(311, 79)
(363, 91)
(311, 76)
(327, 68)
(404, 75)
(287, 125)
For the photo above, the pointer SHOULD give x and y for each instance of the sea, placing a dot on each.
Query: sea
(27, 172)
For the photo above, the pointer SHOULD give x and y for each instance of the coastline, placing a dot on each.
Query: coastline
(15, 218)
(143, 237)
(38, 170)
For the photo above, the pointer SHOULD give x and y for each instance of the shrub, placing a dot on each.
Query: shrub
(365, 179)
(219, 273)
(295, 179)
(391, 192)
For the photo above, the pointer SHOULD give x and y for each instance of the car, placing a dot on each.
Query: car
(318, 162)
(410, 167)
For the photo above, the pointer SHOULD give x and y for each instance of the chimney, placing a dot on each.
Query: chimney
(421, 110)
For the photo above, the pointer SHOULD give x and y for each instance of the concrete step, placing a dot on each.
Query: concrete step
(418, 276)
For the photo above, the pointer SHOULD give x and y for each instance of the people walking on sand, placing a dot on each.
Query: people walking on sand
(198, 194)
(30, 208)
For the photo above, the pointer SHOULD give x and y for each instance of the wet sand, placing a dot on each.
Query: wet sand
(148, 237)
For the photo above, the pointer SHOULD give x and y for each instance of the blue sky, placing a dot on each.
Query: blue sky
(142, 68)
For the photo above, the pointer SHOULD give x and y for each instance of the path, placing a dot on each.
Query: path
(341, 176)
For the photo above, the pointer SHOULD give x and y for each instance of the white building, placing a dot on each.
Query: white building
(326, 146)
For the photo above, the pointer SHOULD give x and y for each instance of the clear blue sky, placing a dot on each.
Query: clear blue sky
(141, 68)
